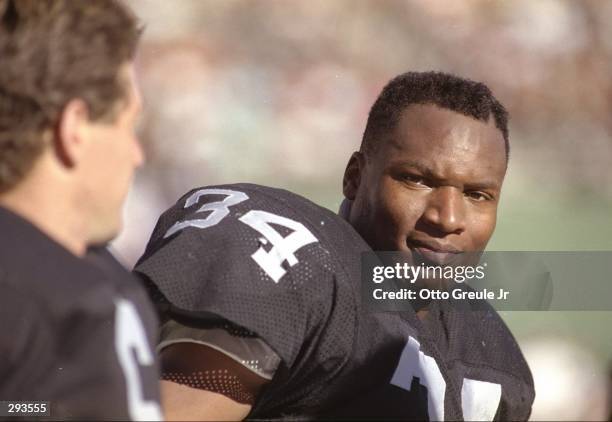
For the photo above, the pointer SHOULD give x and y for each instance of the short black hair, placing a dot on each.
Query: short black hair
(444, 90)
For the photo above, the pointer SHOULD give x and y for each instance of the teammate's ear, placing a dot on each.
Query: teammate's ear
(71, 132)
(352, 175)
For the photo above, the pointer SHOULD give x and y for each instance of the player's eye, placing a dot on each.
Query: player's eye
(479, 196)
(414, 180)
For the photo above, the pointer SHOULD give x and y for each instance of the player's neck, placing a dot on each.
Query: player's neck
(49, 210)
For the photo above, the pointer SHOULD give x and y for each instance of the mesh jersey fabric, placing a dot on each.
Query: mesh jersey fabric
(251, 352)
(58, 337)
(476, 344)
(338, 358)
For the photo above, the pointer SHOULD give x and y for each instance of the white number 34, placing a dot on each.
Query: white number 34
(283, 248)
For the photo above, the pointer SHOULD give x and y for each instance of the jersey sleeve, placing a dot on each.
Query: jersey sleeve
(267, 262)
(239, 345)
(252, 273)
(222, 359)
(212, 274)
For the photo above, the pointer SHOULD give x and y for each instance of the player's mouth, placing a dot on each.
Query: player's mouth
(433, 253)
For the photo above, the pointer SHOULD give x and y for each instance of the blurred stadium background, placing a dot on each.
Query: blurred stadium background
(277, 92)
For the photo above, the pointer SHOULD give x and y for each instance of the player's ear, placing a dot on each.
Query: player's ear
(72, 131)
(352, 175)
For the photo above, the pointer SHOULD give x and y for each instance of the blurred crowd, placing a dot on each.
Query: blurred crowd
(277, 92)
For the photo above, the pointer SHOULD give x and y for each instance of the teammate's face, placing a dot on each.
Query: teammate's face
(432, 189)
(114, 154)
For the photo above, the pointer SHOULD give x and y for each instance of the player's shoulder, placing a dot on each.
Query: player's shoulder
(246, 228)
(504, 358)
(123, 284)
(262, 258)
(221, 205)
(19, 310)
(505, 352)
(500, 349)
(47, 274)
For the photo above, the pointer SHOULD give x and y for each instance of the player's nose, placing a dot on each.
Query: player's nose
(445, 211)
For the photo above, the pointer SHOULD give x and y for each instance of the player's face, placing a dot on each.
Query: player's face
(432, 190)
(115, 154)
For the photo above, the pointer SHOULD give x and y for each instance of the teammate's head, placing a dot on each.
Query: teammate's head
(429, 172)
(68, 102)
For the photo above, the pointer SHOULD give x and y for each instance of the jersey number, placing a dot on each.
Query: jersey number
(479, 399)
(283, 248)
(133, 350)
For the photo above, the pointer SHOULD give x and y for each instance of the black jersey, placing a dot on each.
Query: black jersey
(77, 333)
(483, 355)
(288, 271)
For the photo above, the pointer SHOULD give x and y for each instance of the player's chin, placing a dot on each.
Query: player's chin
(107, 229)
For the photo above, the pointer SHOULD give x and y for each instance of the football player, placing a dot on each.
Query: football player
(439, 365)
(427, 181)
(259, 292)
(77, 330)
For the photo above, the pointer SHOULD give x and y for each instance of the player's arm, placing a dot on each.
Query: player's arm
(182, 403)
(206, 375)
